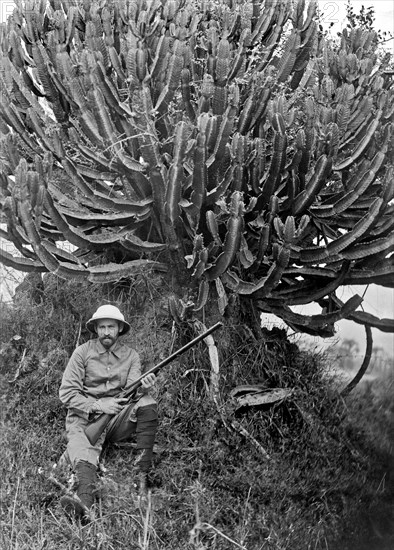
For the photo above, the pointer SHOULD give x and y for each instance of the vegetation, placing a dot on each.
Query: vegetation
(190, 161)
(227, 143)
(347, 354)
(308, 472)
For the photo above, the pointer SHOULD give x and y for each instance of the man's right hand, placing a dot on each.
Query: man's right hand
(111, 405)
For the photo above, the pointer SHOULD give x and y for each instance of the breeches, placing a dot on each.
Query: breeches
(136, 421)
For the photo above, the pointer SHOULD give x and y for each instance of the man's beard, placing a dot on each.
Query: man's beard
(107, 341)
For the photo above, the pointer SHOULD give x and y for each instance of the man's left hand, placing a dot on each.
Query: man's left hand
(148, 381)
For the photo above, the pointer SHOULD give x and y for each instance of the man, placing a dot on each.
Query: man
(95, 374)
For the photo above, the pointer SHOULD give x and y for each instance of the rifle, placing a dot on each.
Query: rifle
(98, 423)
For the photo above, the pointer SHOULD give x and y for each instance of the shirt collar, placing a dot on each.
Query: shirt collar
(115, 348)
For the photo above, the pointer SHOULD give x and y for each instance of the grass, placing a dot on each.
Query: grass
(212, 488)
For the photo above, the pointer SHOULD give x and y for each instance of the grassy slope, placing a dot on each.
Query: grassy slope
(322, 487)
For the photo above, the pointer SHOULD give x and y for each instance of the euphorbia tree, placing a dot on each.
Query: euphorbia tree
(225, 142)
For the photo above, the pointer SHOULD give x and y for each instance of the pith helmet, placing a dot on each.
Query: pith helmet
(108, 312)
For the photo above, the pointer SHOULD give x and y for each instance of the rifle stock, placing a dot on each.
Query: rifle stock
(98, 424)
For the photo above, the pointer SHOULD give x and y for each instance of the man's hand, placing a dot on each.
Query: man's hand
(111, 405)
(148, 381)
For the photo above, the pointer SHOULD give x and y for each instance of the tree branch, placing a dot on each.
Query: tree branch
(368, 352)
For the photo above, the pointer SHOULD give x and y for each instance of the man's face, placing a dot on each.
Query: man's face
(108, 331)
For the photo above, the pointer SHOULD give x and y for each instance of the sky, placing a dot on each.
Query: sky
(377, 300)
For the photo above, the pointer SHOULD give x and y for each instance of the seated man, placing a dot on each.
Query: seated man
(95, 375)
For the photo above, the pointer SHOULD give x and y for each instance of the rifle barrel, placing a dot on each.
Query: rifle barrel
(171, 357)
(94, 429)
(184, 348)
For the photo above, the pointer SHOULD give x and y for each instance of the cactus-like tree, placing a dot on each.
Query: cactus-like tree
(227, 142)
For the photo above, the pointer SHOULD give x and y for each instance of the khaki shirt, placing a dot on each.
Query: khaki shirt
(94, 371)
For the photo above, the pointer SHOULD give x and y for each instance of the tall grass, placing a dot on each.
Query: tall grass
(211, 487)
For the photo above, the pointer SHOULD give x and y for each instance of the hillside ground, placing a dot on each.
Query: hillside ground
(311, 472)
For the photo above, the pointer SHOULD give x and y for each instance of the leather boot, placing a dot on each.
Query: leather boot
(79, 504)
(86, 474)
(146, 432)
